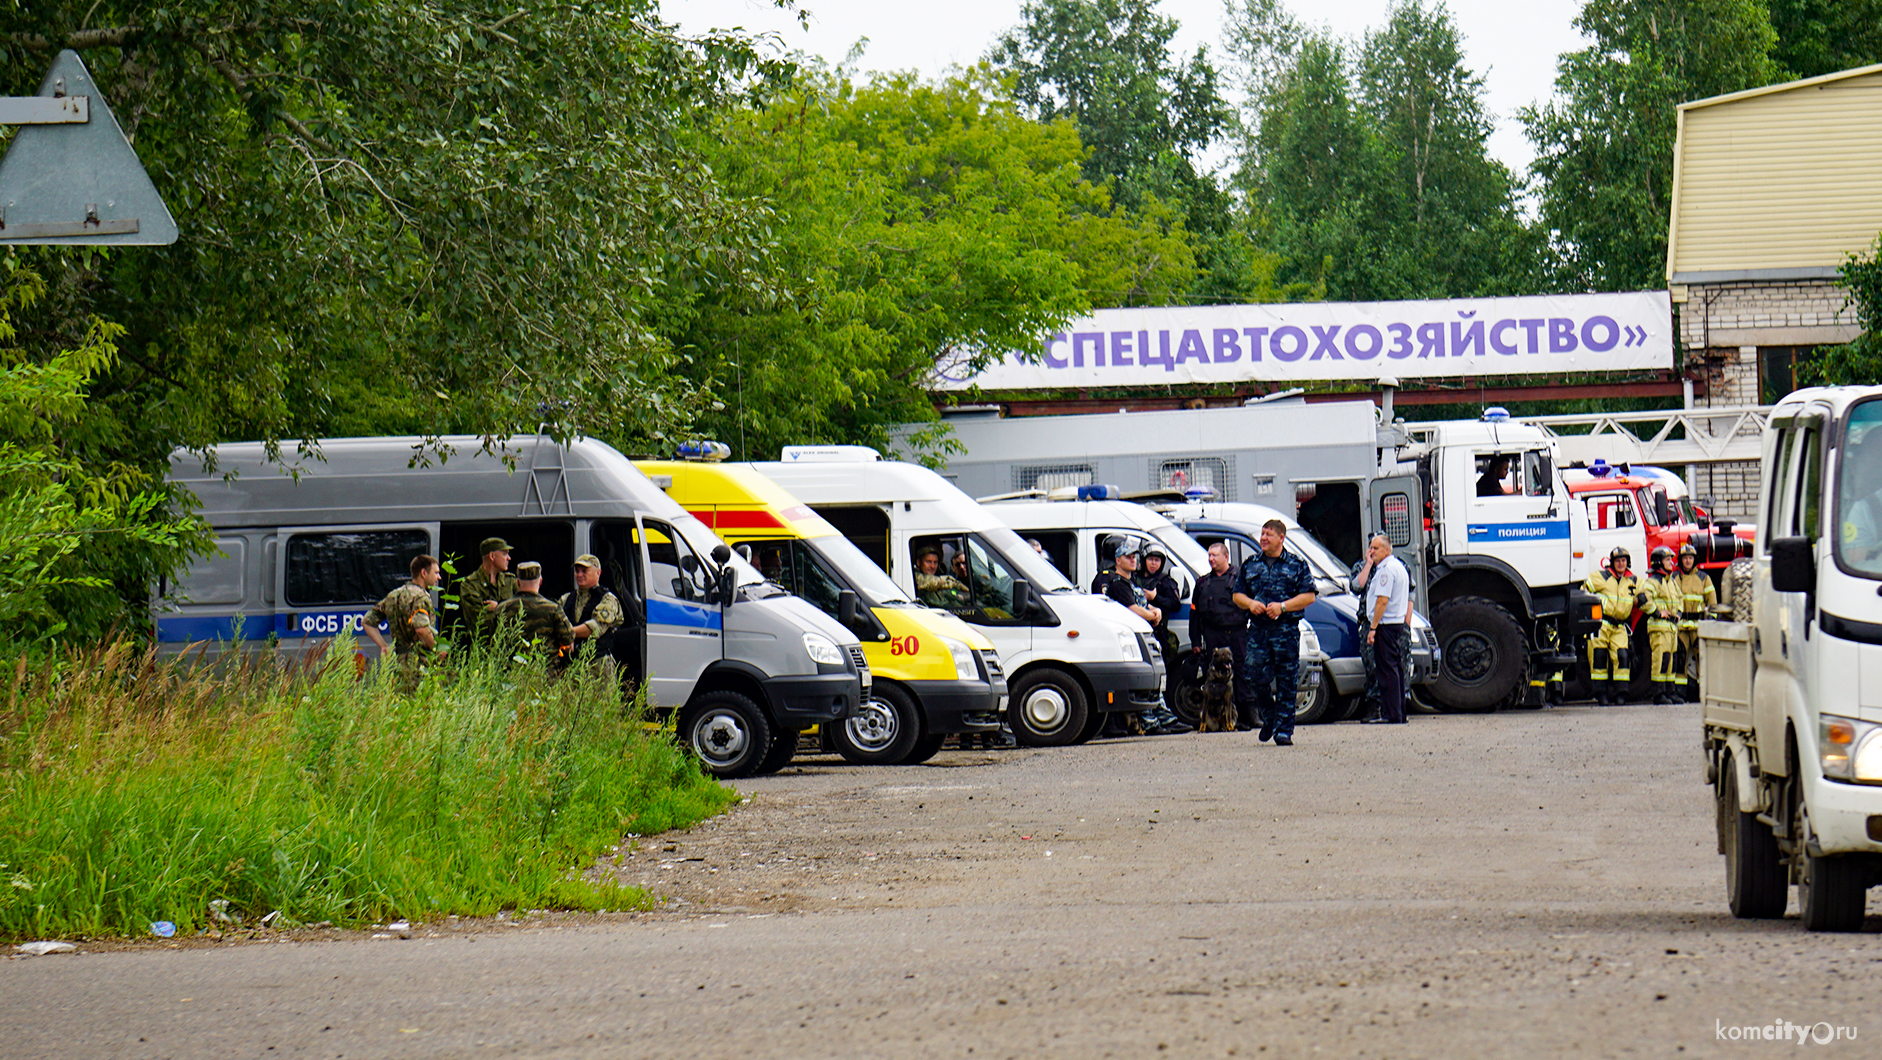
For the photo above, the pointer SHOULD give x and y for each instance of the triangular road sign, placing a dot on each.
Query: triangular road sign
(78, 182)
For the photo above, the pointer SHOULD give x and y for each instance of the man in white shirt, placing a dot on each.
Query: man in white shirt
(1388, 609)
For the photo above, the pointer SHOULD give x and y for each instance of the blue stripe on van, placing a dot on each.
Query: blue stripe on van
(291, 625)
(689, 616)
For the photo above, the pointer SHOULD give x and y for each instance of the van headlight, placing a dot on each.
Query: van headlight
(1127, 646)
(822, 649)
(964, 667)
(1850, 749)
(1309, 640)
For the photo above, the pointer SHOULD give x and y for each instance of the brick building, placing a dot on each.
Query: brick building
(1773, 189)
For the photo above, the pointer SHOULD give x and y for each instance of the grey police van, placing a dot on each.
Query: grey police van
(746, 664)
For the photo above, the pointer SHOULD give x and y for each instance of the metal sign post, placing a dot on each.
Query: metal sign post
(70, 175)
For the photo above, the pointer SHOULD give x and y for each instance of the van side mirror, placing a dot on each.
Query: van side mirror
(1544, 486)
(721, 554)
(846, 609)
(1662, 512)
(728, 585)
(1022, 597)
(1793, 565)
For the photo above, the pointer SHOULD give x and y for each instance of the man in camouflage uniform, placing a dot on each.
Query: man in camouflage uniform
(483, 590)
(1274, 587)
(530, 620)
(594, 612)
(407, 611)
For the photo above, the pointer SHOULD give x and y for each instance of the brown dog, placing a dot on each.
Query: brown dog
(1218, 694)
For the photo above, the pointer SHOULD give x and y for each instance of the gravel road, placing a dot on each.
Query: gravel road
(1527, 884)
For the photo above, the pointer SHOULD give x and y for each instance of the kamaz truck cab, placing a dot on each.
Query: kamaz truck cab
(1498, 550)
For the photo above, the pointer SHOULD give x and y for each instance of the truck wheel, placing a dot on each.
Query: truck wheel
(1741, 580)
(1094, 724)
(925, 748)
(1486, 656)
(1048, 709)
(783, 748)
(1832, 891)
(883, 731)
(729, 734)
(1757, 882)
(1322, 707)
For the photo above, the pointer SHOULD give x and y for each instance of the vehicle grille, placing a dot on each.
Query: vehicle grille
(1151, 649)
(992, 665)
(1431, 639)
(857, 660)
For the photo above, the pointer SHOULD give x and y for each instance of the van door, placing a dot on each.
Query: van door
(329, 576)
(1397, 513)
(685, 628)
(1332, 513)
(1614, 521)
(615, 544)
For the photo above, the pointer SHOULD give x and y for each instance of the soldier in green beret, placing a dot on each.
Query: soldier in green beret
(407, 611)
(534, 619)
(483, 590)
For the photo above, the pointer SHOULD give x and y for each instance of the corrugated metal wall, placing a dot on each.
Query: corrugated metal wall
(1783, 179)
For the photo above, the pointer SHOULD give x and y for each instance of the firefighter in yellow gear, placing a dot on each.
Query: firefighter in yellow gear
(1609, 656)
(1663, 607)
(1698, 598)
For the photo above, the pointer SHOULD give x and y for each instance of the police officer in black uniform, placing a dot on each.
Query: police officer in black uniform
(1214, 622)
(1166, 596)
(1120, 585)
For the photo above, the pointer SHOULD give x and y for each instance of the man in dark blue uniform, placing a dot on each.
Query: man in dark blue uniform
(1274, 588)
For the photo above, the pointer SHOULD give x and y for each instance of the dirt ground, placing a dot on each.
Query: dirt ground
(1535, 884)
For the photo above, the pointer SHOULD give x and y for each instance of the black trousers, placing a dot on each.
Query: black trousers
(1388, 647)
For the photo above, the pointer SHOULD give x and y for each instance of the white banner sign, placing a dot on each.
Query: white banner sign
(1296, 342)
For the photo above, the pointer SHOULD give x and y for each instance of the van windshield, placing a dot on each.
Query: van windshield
(1859, 492)
(704, 541)
(871, 582)
(1031, 565)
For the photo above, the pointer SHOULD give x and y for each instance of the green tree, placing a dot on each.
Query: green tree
(1146, 116)
(917, 225)
(395, 217)
(1453, 205)
(1858, 362)
(1604, 145)
(70, 527)
(1823, 36)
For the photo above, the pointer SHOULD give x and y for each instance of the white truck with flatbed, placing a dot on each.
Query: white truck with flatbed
(1792, 691)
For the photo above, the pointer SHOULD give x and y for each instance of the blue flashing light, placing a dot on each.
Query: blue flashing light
(711, 452)
(1496, 414)
(1199, 494)
(1099, 493)
(1600, 469)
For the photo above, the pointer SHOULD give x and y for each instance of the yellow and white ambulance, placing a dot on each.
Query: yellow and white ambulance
(933, 674)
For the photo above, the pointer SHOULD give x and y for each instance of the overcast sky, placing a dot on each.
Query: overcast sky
(1513, 44)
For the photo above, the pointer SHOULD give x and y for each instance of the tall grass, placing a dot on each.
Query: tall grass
(134, 789)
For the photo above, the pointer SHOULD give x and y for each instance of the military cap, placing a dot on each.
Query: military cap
(492, 544)
(588, 559)
(528, 571)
